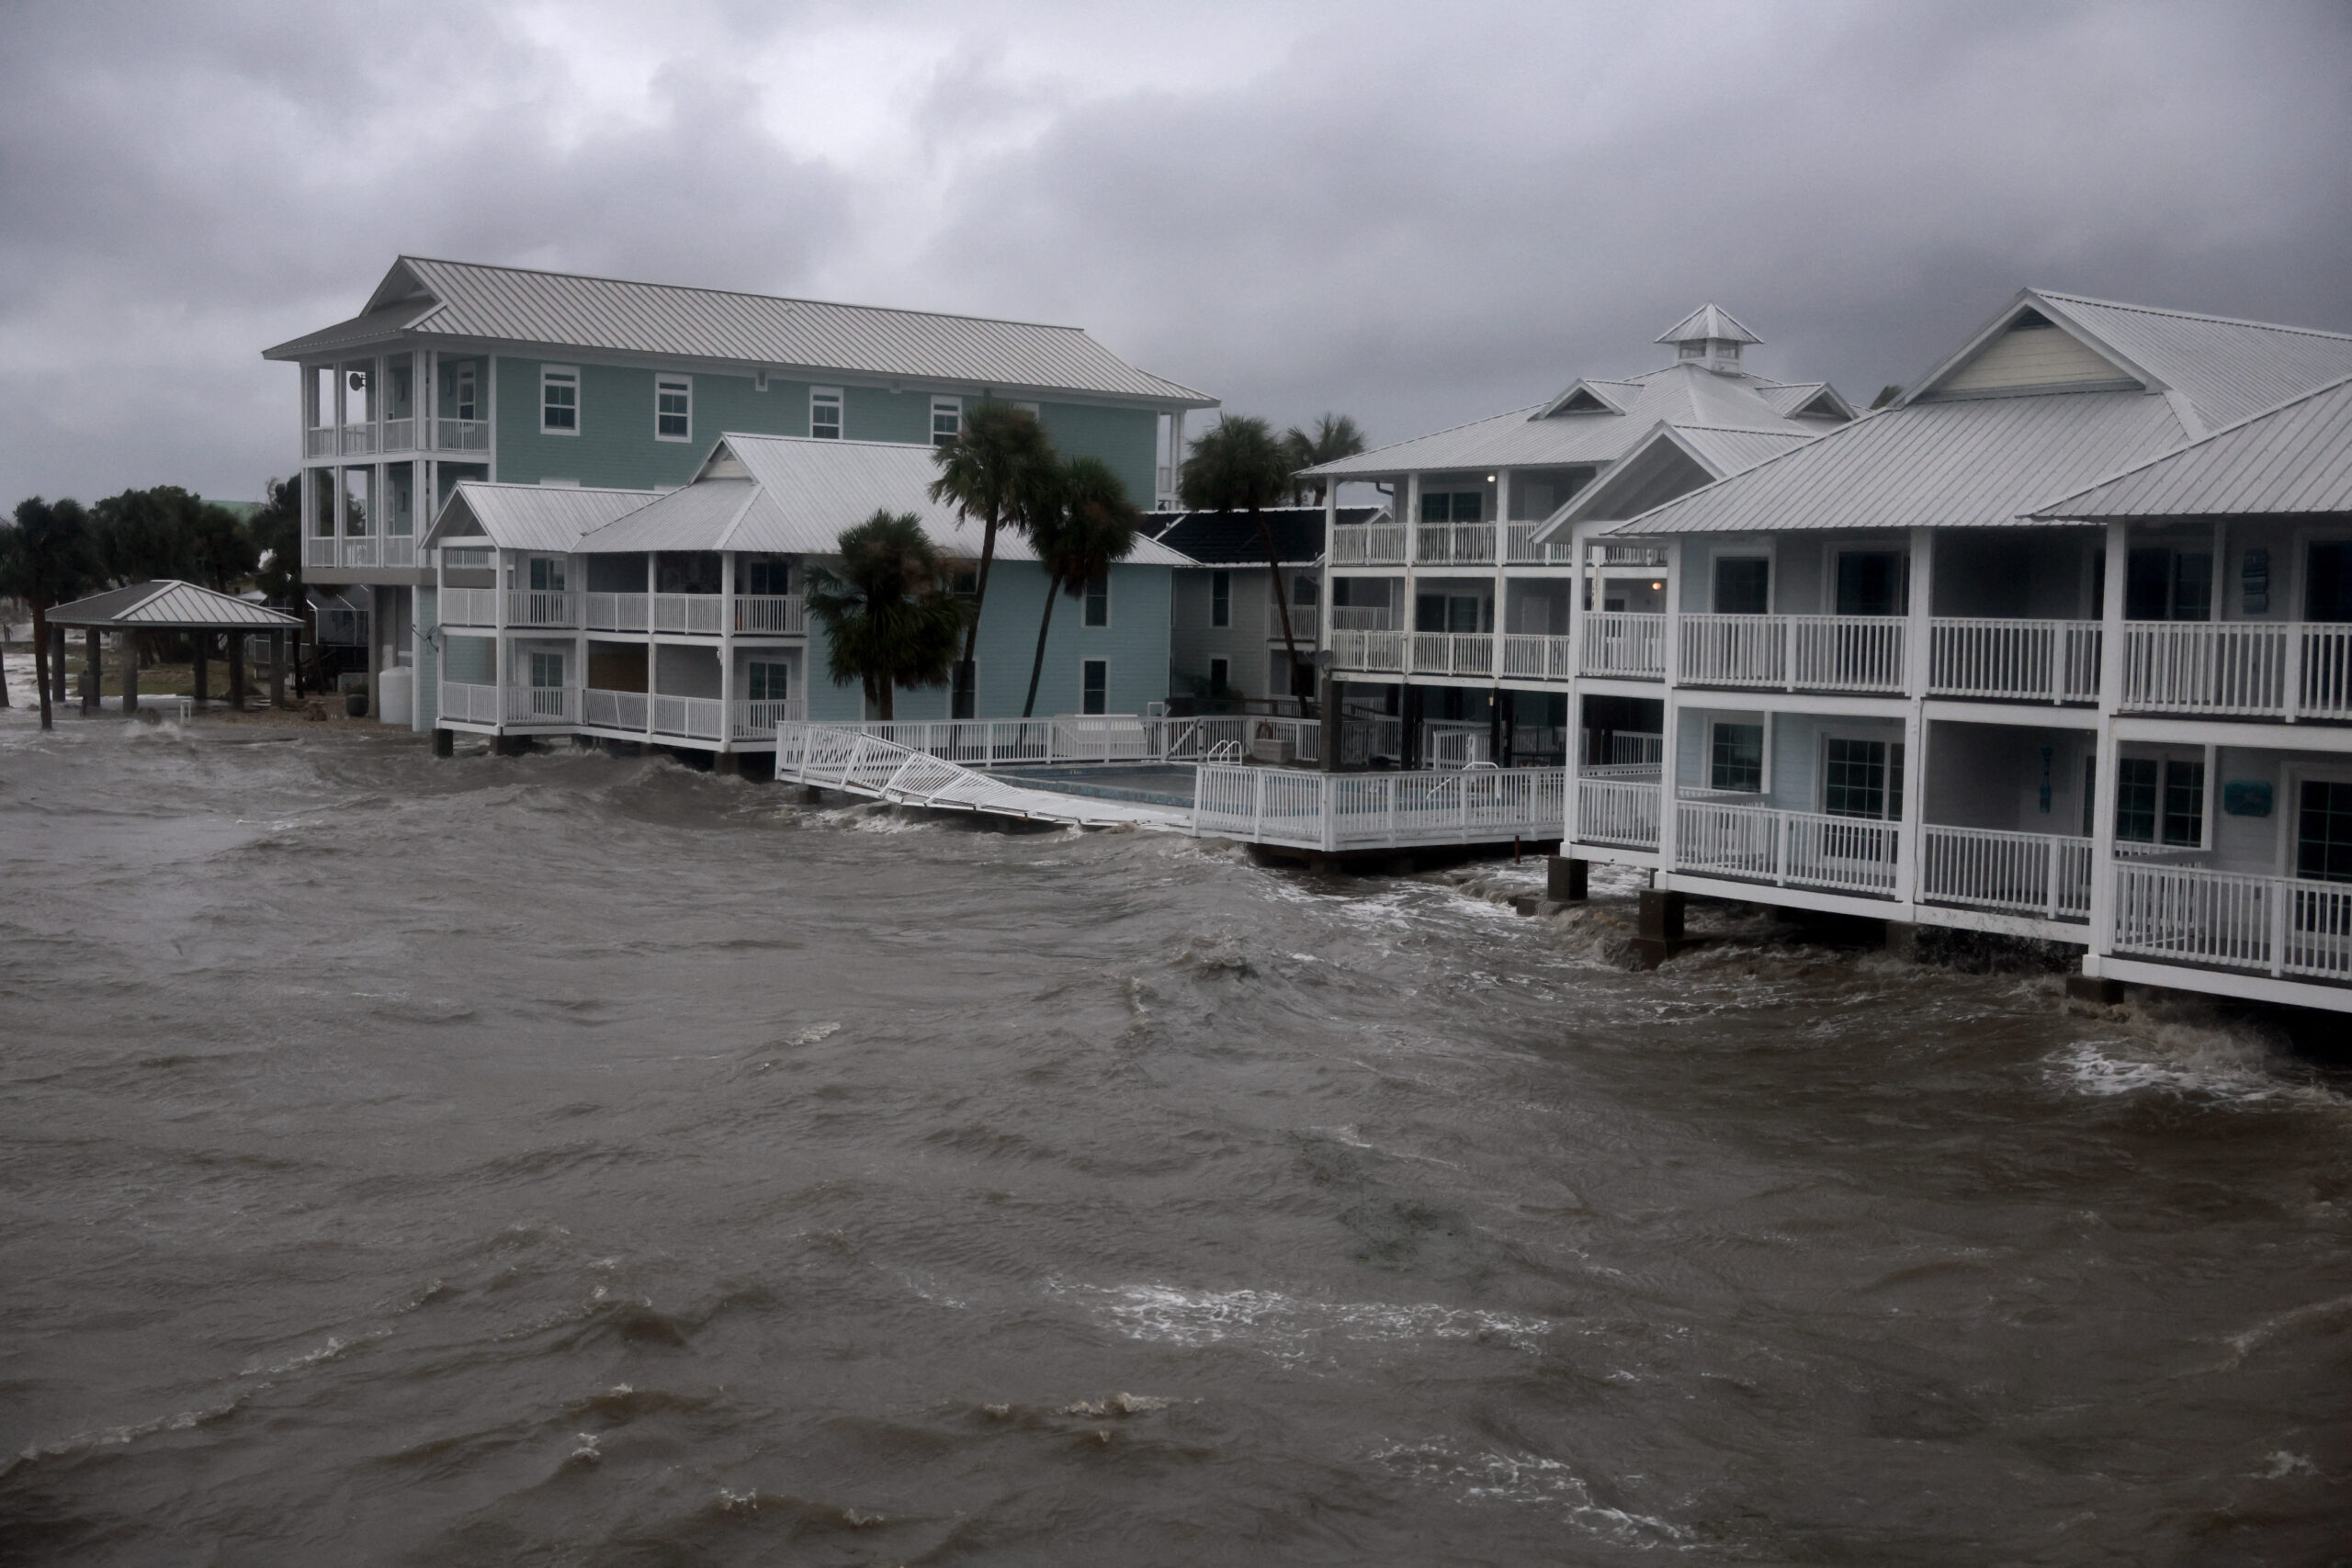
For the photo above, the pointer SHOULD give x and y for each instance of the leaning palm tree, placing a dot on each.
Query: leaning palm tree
(1088, 523)
(889, 614)
(1335, 437)
(985, 471)
(49, 558)
(1237, 465)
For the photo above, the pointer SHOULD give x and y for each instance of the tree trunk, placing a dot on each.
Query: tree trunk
(1281, 600)
(1037, 665)
(972, 631)
(41, 657)
(4, 664)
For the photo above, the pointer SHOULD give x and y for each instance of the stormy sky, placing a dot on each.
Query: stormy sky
(1419, 214)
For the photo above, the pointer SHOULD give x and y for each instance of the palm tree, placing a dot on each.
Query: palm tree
(1237, 464)
(987, 470)
(889, 615)
(1336, 436)
(1087, 523)
(45, 560)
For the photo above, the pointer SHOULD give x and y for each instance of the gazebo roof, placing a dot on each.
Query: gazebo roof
(168, 604)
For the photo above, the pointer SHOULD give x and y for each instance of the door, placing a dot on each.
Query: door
(1742, 585)
(1871, 582)
(2321, 935)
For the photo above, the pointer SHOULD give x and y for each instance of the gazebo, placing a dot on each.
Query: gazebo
(166, 605)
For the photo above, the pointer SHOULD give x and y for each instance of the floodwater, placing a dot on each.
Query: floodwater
(570, 1160)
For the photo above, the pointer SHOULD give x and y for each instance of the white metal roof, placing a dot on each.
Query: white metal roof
(795, 495)
(167, 602)
(467, 299)
(2293, 458)
(1709, 320)
(528, 517)
(1680, 394)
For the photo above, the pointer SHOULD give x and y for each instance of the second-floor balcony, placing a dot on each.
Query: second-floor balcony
(2279, 669)
(523, 608)
(1305, 622)
(1368, 543)
(1454, 544)
(360, 552)
(698, 615)
(1796, 653)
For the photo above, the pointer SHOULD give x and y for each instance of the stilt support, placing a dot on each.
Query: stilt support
(1565, 882)
(1903, 939)
(1659, 933)
(2094, 989)
(92, 667)
(444, 742)
(726, 765)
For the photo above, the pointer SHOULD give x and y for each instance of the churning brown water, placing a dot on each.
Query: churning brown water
(562, 1159)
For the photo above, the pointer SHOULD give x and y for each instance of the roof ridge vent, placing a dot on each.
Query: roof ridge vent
(1709, 337)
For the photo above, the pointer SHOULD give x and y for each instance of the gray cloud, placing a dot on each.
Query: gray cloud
(1419, 215)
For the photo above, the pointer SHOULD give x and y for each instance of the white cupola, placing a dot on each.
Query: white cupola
(1710, 336)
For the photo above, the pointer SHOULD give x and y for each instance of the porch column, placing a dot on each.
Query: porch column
(653, 649)
(375, 649)
(279, 643)
(1669, 744)
(1915, 805)
(91, 668)
(237, 670)
(200, 669)
(727, 651)
(2111, 692)
(57, 667)
(1502, 560)
(130, 672)
(1918, 628)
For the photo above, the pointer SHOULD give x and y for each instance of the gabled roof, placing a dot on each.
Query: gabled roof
(2296, 458)
(1582, 396)
(1228, 538)
(528, 517)
(1668, 456)
(793, 495)
(168, 602)
(1709, 320)
(567, 311)
(1685, 393)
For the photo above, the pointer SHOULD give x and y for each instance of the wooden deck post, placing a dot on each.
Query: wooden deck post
(91, 671)
(130, 672)
(200, 669)
(277, 645)
(57, 666)
(237, 670)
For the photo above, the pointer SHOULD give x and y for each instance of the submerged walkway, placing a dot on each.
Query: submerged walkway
(850, 758)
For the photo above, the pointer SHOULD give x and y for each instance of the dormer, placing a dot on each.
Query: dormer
(2028, 350)
(1582, 397)
(1710, 337)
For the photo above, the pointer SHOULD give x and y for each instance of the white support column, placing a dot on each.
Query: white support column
(726, 650)
(653, 648)
(1330, 534)
(1917, 650)
(1502, 574)
(1915, 805)
(1669, 759)
(2110, 691)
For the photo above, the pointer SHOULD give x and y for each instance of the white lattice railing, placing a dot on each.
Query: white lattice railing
(1368, 543)
(1528, 658)
(1805, 849)
(1619, 642)
(1370, 650)
(1816, 653)
(2251, 668)
(1622, 812)
(2274, 925)
(2021, 873)
(2049, 661)
(1454, 544)
(1454, 653)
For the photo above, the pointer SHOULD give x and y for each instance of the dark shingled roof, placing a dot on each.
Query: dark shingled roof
(1229, 538)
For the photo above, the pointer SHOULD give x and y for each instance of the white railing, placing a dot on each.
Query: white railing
(359, 550)
(1454, 653)
(542, 705)
(1453, 743)
(1627, 749)
(2253, 669)
(1362, 618)
(1631, 555)
(1368, 543)
(358, 440)
(400, 550)
(757, 720)
(1339, 811)
(1305, 622)
(399, 434)
(1849, 854)
(541, 607)
(614, 612)
(1368, 651)
(615, 710)
(1625, 643)
(1538, 658)
(771, 615)
(2050, 661)
(1454, 544)
(1617, 811)
(1817, 653)
(320, 551)
(2021, 873)
(462, 435)
(694, 719)
(1519, 540)
(693, 614)
(319, 442)
(2275, 925)
(470, 606)
(469, 703)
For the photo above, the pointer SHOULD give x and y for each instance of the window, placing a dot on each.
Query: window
(766, 577)
(1221, 678)
(825, 414)
(2160, 800)
(2324, 831)
(1862, 778)
(674, 408)
(2136, 783)
(546, 669)
(1869, 582)
(558, 401)
(1094, 687)
(1452, 506)
(1098, 600)
(2327, 586)
(1448, 612)
(769, 681)
(2168, 585)
(1736, 757)
(547, 574)
(1742, 585)
(1220, 598)
(946, 420)
(2090, 794)
(2184, 803)
(462, 393)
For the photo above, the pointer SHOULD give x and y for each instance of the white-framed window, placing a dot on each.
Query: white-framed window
(1220, 677)
(547, 574)
(2160, 800)
(1861, 777)
(1094, 687)
(1736, 755)
(1743, 584)
(674, 408)
(768, 680)
(465, 399)
(1220, 598)
(946, 420)
(1097, 601)
(559, 399)
(825, 412)
(766, 576)
(546, 671)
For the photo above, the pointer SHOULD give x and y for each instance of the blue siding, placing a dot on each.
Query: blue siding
(1127, 439)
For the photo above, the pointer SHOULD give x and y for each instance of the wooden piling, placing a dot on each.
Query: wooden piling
(237, 670)
(92, 669)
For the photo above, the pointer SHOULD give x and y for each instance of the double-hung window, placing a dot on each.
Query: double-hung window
(546, 669)
(1452, 506)
(825, 412)
(1094, 687)
(1220, 598)
(2160, 800)
(770, 681)
(1862, 778)
(946, 420)
(547, 574)
(1098, 600)
(464, 393)
(674, 408)
(559, 399)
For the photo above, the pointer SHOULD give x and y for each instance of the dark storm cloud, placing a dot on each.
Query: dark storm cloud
(1417, 214)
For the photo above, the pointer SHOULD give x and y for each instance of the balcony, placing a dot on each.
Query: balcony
(1375, 652)
(469, 606)
(1520, 548)
(524, 706)
(1788, 848)
(689, 615)
(1454, 653)
(2279, 669)
(2040, 875)
(1794, 653)
(1627, 644)
(358, 441)
(1362, 618)
(1538, 658)
(1369, 543)
(319, 442)
(542, 607)
(1305, 622)
(461, 436)
(1454, 544)
(1619, 812)
(2265, 925)
(364, 552)
(2041, 661)
(399, 436)
(757, 720)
